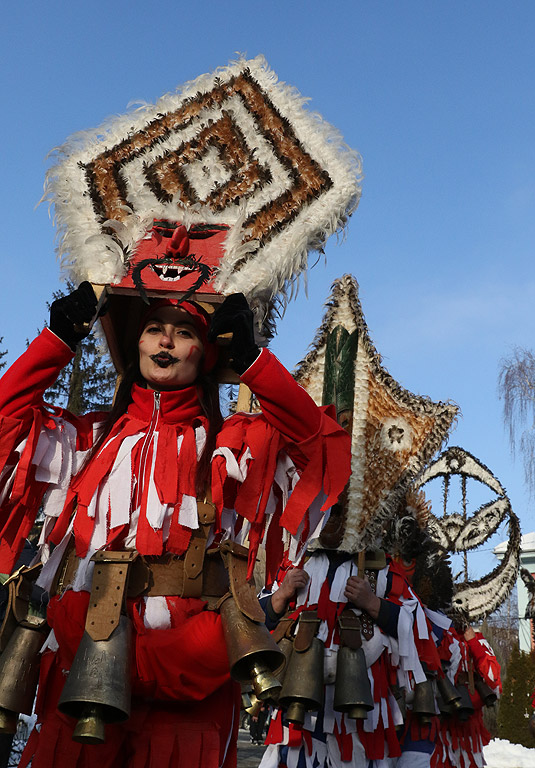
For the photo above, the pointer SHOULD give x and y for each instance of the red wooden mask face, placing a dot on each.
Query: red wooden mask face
(172, 259)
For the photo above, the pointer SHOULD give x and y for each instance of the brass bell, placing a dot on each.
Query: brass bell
(90, 726)
(8, 721)
(245, 697)
(97, 690)
(448, 695)
(254, 706)
(443, 708)
(253, 654)
(352, 690)
(286, 646)
(19, 673)
(423, 703)
(303, 688)
(466, 708)
(488, 696)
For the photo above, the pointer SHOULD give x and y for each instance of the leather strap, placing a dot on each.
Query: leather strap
(235, 557)
(371, 562)
(194, 558)
(349, 625)
(160, 576)
(284, 628)
(19, 586)
(366, 621)
(306, 631)
(108, 590)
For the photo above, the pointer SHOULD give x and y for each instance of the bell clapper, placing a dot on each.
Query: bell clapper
(90, 726)
(8, 720)
(296, 712)
(265, 684)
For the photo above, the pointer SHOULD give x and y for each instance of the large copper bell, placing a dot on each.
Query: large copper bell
(303, 688)
(352, 690)
(488, 696)
(449, 698)
(97, 690)
(423, 703)
(466, 708)
(252, 652)
(19, 673)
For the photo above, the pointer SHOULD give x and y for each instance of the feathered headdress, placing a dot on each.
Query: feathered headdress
(394, 433)
(253, 178)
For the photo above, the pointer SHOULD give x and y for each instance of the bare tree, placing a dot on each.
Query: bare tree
(516, 387)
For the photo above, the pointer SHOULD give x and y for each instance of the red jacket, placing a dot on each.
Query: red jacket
(41, 448)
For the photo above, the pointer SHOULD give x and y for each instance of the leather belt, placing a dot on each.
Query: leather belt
(157, 576)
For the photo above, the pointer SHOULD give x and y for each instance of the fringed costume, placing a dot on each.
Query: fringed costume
(460, 742)
(395, 647)
(138, 491)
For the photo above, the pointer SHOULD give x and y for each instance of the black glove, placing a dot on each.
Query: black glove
(68, 314)
(234, 316)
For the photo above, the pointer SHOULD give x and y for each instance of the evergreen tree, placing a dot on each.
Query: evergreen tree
(3, 353)
(88, 382)
(515, 704)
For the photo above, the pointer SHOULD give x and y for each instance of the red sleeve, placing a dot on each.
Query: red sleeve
(291, 423)
(23, 385)
(285, 404)
(322, 448)
(22, 419)
(485, 661)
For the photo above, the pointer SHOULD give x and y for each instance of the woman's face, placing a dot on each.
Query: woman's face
(170, 349)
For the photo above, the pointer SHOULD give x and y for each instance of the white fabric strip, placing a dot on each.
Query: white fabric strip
(200, 441)
(188, 512)
(343, 572)
(157, 614)
(437, 618)
(49, 569)
(233, 470)
(155, 508)
(317, 568)
(8, 470)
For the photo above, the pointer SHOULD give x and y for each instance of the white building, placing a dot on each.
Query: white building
(527, 560)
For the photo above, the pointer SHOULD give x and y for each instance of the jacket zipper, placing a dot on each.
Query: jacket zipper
(145, 448)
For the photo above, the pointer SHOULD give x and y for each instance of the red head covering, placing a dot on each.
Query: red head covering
(201, 320)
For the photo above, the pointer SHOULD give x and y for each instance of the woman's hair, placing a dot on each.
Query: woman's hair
(208, 391)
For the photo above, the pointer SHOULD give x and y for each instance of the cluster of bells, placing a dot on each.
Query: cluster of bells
(97, 689)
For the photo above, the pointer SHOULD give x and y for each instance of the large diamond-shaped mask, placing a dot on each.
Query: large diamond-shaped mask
(236, 148)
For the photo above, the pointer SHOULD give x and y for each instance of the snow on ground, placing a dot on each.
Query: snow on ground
(502, 754)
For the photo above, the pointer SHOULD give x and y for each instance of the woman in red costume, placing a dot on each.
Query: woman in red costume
(130, 479)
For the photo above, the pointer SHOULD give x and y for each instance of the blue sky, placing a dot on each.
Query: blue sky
(437, 97)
